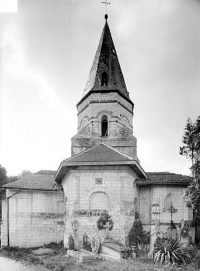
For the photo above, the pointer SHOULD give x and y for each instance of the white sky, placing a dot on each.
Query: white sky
(46, 52)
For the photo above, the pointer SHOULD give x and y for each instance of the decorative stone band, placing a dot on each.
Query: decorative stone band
(89, 212)
(168, 210)
(105, 101)
(41, 215)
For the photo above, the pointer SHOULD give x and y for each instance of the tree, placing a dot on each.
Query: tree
(12, 179)
(3, 180)
(3, 175)
(137, 235)
(191, 149)
(191, 144)
(26, 173)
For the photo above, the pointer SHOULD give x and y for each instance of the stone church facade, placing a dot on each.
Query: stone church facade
(103, 173)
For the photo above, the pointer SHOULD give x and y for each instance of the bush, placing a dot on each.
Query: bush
(137, 235)
(103, 219)
(171, 252)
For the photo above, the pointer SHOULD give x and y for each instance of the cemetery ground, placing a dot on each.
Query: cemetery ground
(58, 261)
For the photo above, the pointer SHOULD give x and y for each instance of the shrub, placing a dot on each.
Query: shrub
(103, 219)
(137, 235)
(171, 252)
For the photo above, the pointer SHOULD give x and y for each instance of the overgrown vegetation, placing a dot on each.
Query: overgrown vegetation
(60, 262)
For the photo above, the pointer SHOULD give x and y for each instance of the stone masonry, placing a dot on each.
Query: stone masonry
(91, 190)
(33, 218)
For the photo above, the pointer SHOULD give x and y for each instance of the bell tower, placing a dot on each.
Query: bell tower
(105, 112)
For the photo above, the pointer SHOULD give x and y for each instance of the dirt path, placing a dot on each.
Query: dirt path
(11, 265)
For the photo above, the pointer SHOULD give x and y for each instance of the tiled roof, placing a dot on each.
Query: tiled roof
(164, 178)
(34, 182)
(100, 153)
(106, 60)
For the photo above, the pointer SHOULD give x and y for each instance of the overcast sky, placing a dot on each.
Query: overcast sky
(47, 49)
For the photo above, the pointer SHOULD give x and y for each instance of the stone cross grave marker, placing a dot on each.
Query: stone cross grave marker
(107, 226)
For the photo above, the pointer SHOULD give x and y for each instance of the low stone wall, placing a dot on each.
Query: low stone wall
(30, 219)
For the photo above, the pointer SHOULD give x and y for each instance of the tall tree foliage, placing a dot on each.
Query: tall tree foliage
(3, 180)
(3, 175)
(191, 144)
(191, 149)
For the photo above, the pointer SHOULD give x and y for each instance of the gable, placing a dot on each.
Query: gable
(101, 154)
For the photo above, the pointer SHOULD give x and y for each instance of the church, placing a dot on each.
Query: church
(103, 173)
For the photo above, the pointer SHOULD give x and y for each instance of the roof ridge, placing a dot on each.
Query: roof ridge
(166, 173)
(101, 143)
(112, 148)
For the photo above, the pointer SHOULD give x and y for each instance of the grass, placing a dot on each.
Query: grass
(59, 262)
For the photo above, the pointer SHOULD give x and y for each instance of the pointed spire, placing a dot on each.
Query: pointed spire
(106, 73)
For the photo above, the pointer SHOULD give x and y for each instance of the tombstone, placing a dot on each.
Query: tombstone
(109, 248)
(95, 244)
(75, 227)
(185, 240)
(107, 236)
(154, 228)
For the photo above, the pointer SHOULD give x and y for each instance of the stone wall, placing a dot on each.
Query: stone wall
(120, 129)
(35, 218)
(97, 102)
(90, 190)
(154, 200)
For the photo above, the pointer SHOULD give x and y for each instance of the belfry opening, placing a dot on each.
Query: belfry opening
(104, 79)
(104, 126)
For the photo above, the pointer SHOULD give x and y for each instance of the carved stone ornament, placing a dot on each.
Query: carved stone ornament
(95, 244)
(75, 225)
(124, 133)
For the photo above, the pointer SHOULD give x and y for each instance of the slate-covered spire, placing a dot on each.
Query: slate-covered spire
(106, 73)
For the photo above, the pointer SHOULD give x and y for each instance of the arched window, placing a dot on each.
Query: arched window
(104, 79)
(169, 203)
(104, 126)
(99, 201)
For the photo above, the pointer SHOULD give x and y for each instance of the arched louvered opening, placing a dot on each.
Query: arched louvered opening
(104, 79)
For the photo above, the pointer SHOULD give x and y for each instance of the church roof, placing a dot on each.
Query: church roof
(101, 154)
(44, 182)
(106, 61)
(164, 178)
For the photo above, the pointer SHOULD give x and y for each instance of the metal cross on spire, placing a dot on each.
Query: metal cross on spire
(105, 3)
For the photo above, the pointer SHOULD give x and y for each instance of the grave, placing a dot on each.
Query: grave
(42, 251)
(83, 255)
(102, 245)
(110, 250)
